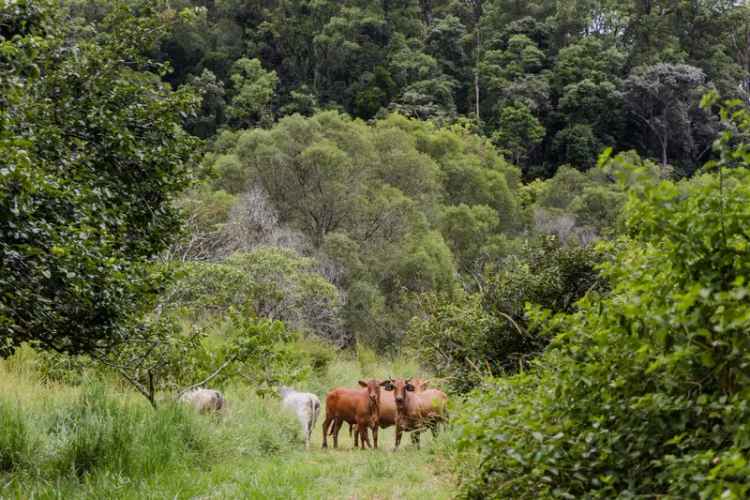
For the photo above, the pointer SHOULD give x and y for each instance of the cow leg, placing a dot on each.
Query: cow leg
(308, 431)
(356, 435)
(335, 432)
(375, 436)
(399, 431)
(364, 438)
(326, 423)
(415, 438)
(435, 429)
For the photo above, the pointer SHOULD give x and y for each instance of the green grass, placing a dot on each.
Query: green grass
(98, 440)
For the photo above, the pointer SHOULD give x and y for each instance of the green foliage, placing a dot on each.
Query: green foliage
(91, 156)
(100, 434)
(519, 132)
(466, 337)
(272, 282)
(645, 390)
(368, 200)
(664, 100)
(469, 229)
(450, 61)
(253, 90)
(578, 145)
(586, 205)
(428, 265)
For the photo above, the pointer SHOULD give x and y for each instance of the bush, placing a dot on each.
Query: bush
(273, 282)
(645, 394)
(487, 333)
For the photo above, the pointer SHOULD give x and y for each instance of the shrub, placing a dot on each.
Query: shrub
(470, 336)
(645, 394)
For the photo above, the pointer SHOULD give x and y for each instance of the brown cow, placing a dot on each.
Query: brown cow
(387, 414)
(416, 411)
(354, 406)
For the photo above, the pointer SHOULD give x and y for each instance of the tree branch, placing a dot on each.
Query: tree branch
(210, 377)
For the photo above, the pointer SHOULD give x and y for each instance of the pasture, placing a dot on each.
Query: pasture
(99, 439)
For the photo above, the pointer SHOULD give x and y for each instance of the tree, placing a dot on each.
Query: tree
(519, 132)
(91, 155)
(213, 108)
(662, 99)
(467, 336)
(467, 230)
(577, 145)
(253, 90)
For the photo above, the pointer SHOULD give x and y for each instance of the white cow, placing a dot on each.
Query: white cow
(204, 400)
(305, 405)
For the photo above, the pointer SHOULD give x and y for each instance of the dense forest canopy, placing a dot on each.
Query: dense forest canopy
(543, 203)
(551, 83)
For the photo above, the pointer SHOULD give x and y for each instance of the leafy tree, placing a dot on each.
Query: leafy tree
(468, 230)
(315, 182)
(664, 100)
(445, 42)
(578, 146)
(213, 109)
(274, 283)
(91, 156)
(253, 90)
(427, 264)
(518, 133)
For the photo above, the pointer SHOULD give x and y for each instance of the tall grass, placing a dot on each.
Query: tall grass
(15, 440)
(99, 433)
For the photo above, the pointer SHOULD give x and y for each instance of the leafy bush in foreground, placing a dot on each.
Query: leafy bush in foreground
(647, 393)
(91, 156)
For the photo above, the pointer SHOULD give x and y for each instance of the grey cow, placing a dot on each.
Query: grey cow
(204, 400)
(305, 405)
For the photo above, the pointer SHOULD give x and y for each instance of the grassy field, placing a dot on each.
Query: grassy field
(100, 440)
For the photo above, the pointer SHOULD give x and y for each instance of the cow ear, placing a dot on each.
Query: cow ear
(363, 383)
(425, 383)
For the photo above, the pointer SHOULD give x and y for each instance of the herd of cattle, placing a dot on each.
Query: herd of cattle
(409, 404)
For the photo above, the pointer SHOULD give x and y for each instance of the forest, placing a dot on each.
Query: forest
(541, 207)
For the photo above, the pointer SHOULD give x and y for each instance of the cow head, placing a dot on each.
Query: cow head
(373, 391)
(420, 384)
(400, 388)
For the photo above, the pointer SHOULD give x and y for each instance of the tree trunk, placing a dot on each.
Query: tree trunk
(151, 391)
(476, 91)
(426, 7)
